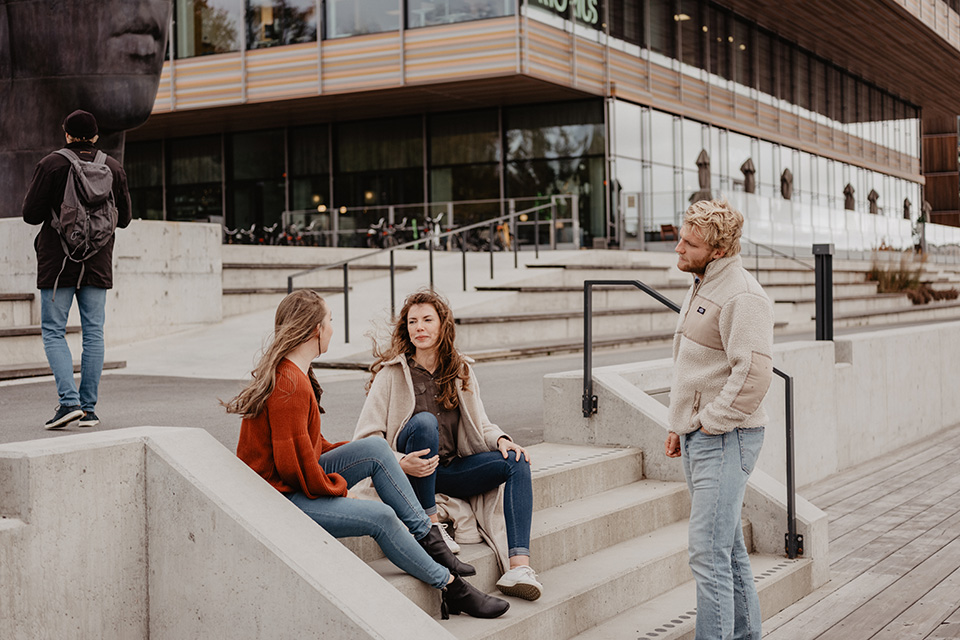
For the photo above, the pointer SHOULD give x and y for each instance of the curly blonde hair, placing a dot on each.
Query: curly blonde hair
(451, 365)
(719, 224)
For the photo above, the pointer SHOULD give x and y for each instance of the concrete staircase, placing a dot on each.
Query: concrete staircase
(21, 345)
(610, 547)
(549, 302)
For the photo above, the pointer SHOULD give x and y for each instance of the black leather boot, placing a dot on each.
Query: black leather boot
(434, 545)
(462, 597)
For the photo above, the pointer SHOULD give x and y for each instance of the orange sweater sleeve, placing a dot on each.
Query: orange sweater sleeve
(295, 434)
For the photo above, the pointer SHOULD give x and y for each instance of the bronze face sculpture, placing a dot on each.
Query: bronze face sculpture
(102, 56)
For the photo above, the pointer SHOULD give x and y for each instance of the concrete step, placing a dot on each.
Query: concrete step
(477, 333)
(671, 616)
(274, 275)
(805, 309)
(562, 474)
(244, 300)
(16, 309)
(933, 311)
(37, 369)
(531, 298)
(23, 344)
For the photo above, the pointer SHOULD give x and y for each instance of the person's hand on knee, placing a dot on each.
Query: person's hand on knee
(413, 464)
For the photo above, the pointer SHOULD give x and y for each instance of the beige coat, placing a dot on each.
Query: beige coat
(390, 405)
(722, 352)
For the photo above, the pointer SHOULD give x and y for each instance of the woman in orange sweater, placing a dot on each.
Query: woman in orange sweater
(280, 439)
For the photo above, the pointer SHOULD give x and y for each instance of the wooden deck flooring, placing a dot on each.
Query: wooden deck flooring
(894, 550)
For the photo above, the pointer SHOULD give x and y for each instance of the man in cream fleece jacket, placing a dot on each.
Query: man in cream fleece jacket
(722, 353)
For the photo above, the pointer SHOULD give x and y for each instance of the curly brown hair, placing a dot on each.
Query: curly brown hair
(451, 364)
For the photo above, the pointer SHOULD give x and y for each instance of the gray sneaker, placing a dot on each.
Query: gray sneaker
(64, 416)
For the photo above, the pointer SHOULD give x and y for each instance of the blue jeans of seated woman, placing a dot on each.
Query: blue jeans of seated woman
(470, 476)
(390, 522)
(717, 468)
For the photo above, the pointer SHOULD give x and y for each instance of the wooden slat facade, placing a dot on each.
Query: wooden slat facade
(507, 49)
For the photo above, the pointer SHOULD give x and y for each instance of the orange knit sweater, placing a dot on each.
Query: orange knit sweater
(283, 443)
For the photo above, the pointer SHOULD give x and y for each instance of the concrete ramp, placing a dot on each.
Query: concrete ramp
(162, 533)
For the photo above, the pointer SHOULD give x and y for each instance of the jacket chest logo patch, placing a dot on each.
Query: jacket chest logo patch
(701, 310)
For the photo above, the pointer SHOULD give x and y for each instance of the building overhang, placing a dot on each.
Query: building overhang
(364, 105)
(913, 55)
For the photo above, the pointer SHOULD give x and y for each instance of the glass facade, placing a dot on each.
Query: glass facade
(277, 22)
(655, 155)
(205, 27)
(247, 178)
(424, 13)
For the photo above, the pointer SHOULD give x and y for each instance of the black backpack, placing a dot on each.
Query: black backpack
(88, 216)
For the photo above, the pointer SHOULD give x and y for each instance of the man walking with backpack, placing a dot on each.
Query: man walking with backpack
(79, 195)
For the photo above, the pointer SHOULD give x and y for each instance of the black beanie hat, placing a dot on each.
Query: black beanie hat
(81, 124)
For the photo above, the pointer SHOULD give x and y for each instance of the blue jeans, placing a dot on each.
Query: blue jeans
(466, 477)
(53, 324)
(717, 468)
(346, 517)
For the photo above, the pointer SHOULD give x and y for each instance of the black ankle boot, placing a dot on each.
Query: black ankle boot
(434, 545)
(462, 597)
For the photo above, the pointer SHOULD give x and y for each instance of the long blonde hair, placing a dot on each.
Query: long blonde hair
(451, 364)
(296, 322)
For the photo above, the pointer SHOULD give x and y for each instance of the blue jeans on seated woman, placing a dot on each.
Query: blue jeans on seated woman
(470, 476)
(390, 522)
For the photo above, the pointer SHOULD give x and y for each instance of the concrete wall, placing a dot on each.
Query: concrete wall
(163, 533)
(855, 398)
(167, 276)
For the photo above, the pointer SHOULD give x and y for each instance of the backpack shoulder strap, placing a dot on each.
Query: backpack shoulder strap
(101, 158)
(69, 155)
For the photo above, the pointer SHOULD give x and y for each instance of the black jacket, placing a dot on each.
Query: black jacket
(45, 196)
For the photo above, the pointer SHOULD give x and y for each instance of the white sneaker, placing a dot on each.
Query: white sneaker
(451, 543)
(520, 582)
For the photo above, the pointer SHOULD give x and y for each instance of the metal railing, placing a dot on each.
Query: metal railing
(513, 220)
(793, 541)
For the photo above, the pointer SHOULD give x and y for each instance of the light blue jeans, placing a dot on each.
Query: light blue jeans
(390, 522)
(717, 468)
(53, 324)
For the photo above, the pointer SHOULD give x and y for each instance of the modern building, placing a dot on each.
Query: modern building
(833, 120)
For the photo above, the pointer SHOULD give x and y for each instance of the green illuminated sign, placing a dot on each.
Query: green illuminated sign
(583, 10)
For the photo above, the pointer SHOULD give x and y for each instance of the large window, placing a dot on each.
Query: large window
(357, 17)
(195, 178)
(422, 13)
(465, 155)
(276, 22)
(143, 163)
(257, 178)
(207, 26)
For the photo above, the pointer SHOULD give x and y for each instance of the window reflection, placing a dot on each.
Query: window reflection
(422, 13)
(277, 22)
(357, 17)
(205, 27)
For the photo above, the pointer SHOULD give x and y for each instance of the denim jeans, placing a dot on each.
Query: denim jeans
(53, 324)
(390, 522)
(717, 468)
(470, 476)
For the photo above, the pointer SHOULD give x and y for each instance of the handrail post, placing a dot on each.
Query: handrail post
(393, 306)
(794, 542)
(430, 252)
(536, 234)
(289, 285)
(589, 401)
(493, 231)
(515, 241)
(346, 303)
(823, 256)
(463, 257)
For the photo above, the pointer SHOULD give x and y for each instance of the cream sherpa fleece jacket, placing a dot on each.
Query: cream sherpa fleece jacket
(722, 352)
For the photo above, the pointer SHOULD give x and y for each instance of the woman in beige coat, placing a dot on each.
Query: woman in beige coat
(425, 401)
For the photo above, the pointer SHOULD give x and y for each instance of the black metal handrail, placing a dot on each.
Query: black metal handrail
(429, 239)
(793, 541)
